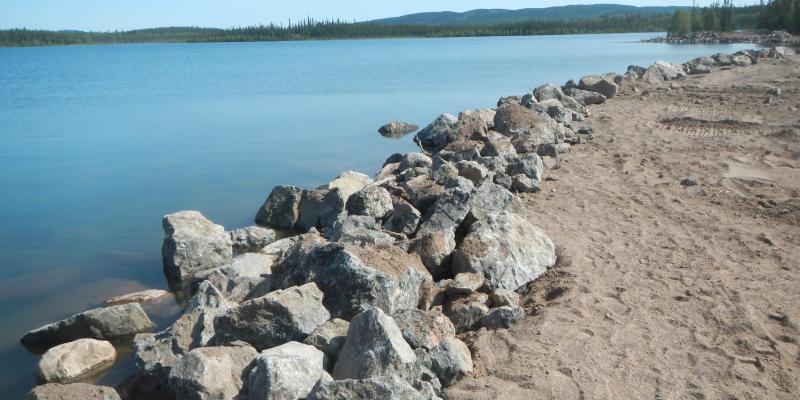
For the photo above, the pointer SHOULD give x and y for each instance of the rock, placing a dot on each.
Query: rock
(329, 337)
(599, 84)
(438, 134)
(348, 183)
(700, 69)
(465, 283)
(72, 361)
(509, 100)
(245, 273)
(359, 230)
(472, 171)
(414, 160)
(373, 201)
(212, 373)
(498, 146)
(529, 165)
(355, 279)
(73, 391)
(496, 165)
(522, 184)
(383, 388)
(722, 59)
(192, 243)
(504, 297)
(469, 153)
(100, 323)
(403, 219)
(397, 129)
(459, 182)
(663, 71)
(742, 60)
(586, 97)
(548, 91)
(201, 311)
(311, 207)
(434, 250)
(503, 180)
(512, 119)
(252, 238)
(447, 212)
(451, 360)
(506, 249)
(374, 347)
(491, 198)
(144, 296)
(691, 180)
(281, 209)
(286, 372)
(422, 192)
(424, 329)
(502, 317)
(466, 312)
(442, 170)
(276, 318)
(475, 122)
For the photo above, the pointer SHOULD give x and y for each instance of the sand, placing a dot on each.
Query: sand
(665, 291)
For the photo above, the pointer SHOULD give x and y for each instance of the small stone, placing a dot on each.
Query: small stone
(465, 283)
(502, 317)
(252, 238)
(72, 391)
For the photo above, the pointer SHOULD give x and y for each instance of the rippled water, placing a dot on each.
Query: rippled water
(97, 143)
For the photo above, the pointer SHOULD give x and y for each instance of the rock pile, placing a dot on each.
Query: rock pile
(359, 288)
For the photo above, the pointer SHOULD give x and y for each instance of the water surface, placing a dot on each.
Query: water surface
(97, 143)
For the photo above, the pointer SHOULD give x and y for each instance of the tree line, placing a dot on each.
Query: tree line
(781, 15)
(335, 29)
(722, 16)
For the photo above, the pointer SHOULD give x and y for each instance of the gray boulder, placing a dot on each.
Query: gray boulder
(383, 388)
(286, 372)
(520, 183)
(600, 84)
(310, 209)
(424, 329)
(414, 160)
(276, 318)
(397, 129)
(281, 208)
(663, 71)
(209, 373)
(72, 391)
(548, 91)
(251, 238)
(348, 183)
(498, 146)
(529, 165)
(192, 243)
(404, 219)
(586, 97)
(447, 212)
(491, 198)
(472, 171)
(466, 312)
(329, 338)
(237, 280)
(464, 283)
(373, 201)
(506, 249)
(359, 230)
(451, 360)
(72, 361)
(374, 347)
(355, 279)
(438, 134)
(502, 317)
(504, 297)
(434, 249)
(100, 323)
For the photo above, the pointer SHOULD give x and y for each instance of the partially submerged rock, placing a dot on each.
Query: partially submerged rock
(100, 323)
(72, 391)
(396, 129)
(281, 208)
(143, 296)
(192, 243)
(72, 361)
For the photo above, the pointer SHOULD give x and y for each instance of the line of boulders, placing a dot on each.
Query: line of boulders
(357, 289)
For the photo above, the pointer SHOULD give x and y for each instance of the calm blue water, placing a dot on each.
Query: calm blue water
(97, 143)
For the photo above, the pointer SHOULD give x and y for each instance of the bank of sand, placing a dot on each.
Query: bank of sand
(666, 291)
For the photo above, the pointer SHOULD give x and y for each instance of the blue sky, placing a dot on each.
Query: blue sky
(133, 14)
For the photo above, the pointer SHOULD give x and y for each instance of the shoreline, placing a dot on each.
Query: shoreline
(424, 194)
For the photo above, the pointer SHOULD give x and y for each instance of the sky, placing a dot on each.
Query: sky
(105, 15)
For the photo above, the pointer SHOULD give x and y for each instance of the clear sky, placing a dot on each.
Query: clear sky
(134, 14)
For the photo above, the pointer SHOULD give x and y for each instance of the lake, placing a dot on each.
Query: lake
(97, 143)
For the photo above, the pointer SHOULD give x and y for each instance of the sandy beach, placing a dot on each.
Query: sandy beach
(679, 230)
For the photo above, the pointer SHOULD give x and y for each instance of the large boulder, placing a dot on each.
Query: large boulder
(424, 329)
(663, 71)
(286, 372)
(600, 84)
(100, 323)
(359, 230)
(447, 212)
(349, 182)
(490, 198)
(451, 360)
(211, 373)
(329, 337)
(72, 361)
(372, 201)
(586, 97)
(527, 128)
(438, 134)
(355, 279)
(72, 391)
(383, 388)
(529, 165)
(246, 272)
(276, 318)
(374, 347)
(281, 209)
(506, 249)
(502, 317)
(252, 238)
(397, 129)
(192, 243)
(403, 219)
(466, 312)
(434, 249)
(310, 209)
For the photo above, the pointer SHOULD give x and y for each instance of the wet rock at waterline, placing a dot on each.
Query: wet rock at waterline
(72, 361)
(192, 243)
(72, 391)
(396, 129)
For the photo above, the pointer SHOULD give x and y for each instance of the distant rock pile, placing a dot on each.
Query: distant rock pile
(357, 289)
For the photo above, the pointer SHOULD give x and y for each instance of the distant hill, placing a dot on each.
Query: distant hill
(497, 16)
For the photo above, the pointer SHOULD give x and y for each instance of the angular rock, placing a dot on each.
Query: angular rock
(663, 71)
(421, 192)
(600, 84)
(355, 279)
(467, 311)
(438, 134)
(530, 165)
(586, 97)
(281, 208)
(286, 372)
(359, 230)
(498, 147)
(434, 250)
(506, 249)
(276, 318)
(383, 388)
(414, 160)
(310, 208)
(503, 180)
(100, 323)
(424, 329)
(465, 283)
(451, 360)
(373, 201)
(491, 198)
(76, 391)
(348, 183)
(192, 243)
(374, 347)
(397, 129)
(245, 273)
(447, 212)
(404, 219)
(472, 171)
(210, 373)
(143, 296)
(442, 170)
(522, 184)
(496, 165)
(72, 361)
(502, 317)
(504, 297)
(252, 238)
(329, 337)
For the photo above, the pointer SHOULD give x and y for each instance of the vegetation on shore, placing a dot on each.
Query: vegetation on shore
(781, 15)
(724, 17)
